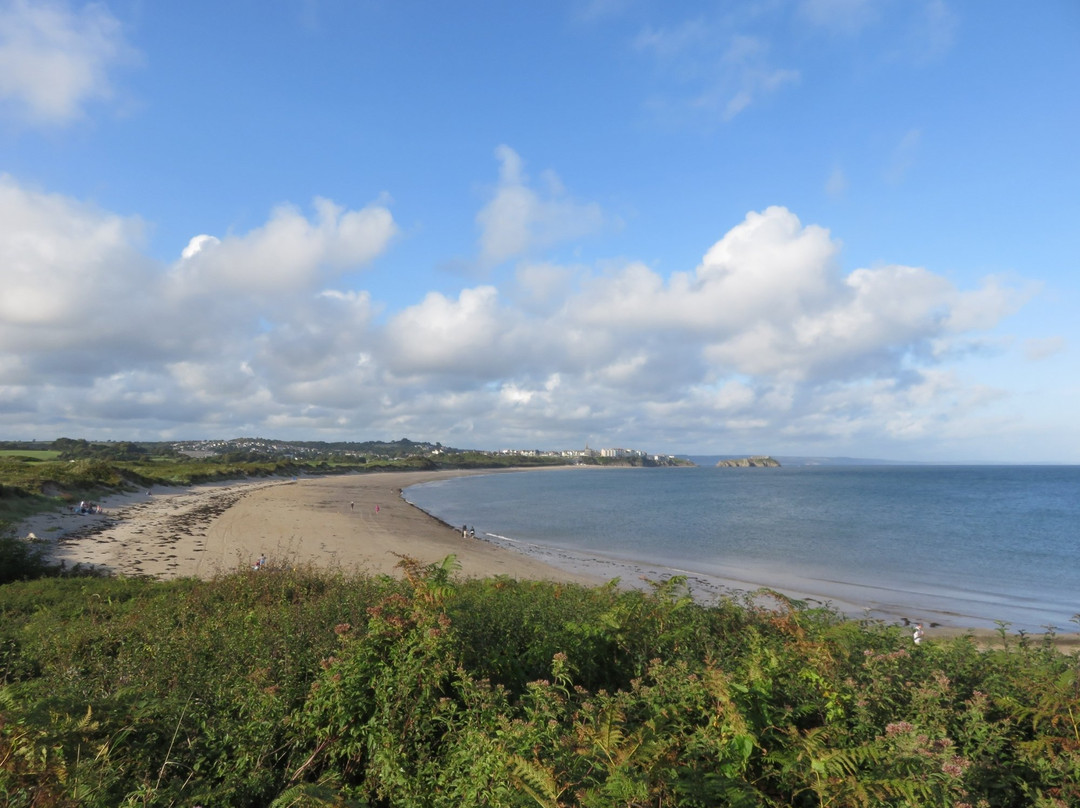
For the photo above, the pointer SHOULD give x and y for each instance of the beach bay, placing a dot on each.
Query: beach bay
(961, 546)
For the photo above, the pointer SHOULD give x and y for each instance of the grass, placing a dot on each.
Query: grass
(30, 454)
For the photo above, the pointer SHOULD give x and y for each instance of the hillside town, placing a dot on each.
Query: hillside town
(300, 450)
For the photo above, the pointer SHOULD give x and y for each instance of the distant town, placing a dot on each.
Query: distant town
(250, 449)
(305, 450)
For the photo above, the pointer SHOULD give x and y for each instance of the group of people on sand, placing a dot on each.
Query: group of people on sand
(88, 507)
(468, 532)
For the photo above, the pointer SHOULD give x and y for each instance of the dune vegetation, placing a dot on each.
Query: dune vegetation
(302, 687)
(31, 482)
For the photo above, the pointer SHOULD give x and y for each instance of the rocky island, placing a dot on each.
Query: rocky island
(759, 461)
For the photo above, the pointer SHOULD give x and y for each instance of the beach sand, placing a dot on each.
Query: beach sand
(355, 523)
(360, 523)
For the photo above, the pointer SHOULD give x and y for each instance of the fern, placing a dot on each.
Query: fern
(536, 781)
(309, 795)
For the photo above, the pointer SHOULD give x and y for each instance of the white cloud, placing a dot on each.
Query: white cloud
(72, 277)
(767, 338)
(541, 286)
(471, 336)
(196, 245)
(54, 60)
(84, 309)
(288, 253)
(769, 301)
(980, 309)
(520, 220)
(1039, 349)
(769, 266)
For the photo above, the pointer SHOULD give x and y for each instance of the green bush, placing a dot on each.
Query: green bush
(305, 687)
(21, 560)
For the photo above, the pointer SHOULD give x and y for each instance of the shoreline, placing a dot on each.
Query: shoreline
(355, 522)
(363, 523)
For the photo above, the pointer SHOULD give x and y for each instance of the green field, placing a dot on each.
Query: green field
(31, 454)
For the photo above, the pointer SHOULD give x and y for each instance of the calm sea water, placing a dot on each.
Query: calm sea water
(984, 543)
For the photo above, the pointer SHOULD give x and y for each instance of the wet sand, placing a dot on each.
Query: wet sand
(361, 523)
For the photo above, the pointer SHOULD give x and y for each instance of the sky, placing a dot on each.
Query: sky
(788, 227)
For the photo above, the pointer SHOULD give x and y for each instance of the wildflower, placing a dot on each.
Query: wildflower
(956, 766)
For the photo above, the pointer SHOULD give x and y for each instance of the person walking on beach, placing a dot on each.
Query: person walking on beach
(918, 634)
(352, 505)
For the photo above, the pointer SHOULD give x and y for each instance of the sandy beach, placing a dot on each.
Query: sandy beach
(355, 523)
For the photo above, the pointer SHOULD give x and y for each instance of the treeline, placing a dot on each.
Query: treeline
(303, 688)
(79, 449)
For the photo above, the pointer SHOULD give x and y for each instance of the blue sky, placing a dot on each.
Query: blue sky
(801, 227)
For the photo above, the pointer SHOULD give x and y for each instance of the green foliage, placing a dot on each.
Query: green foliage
(309, 688)
(30, 454)
(21, 560)
(70, 449)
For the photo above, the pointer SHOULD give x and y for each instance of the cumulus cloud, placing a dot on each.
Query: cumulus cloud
(519, 219)
(769, 267)
(767, 337)
(472, 336)
(196, 245)
(72, 276)
(288, 253)
(88, 318)
(55, 59)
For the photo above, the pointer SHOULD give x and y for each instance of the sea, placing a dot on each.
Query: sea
(965, 546)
